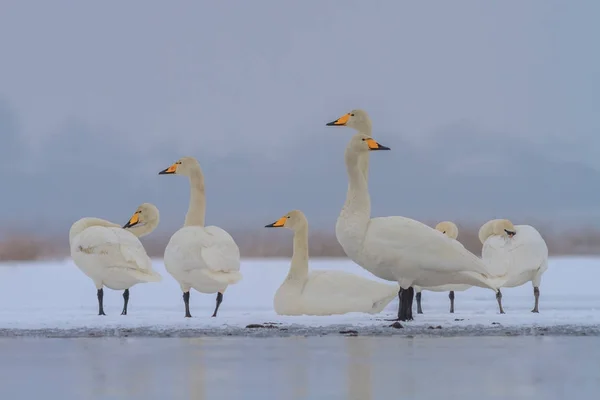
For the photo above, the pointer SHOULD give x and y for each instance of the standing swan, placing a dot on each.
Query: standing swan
(398, 248)
(204, 258)
(449, 229)
(517, 250)
(324, 292)
(113, 256)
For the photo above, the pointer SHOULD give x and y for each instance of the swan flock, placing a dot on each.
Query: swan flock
(412, 256)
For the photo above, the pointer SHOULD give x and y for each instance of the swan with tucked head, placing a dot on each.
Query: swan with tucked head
(112, 255)
(516, 250)
(323, 292)
(449, 229)
(205, 258)
(397, 248)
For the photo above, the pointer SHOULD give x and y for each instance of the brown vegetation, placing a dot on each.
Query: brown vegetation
(275, 243)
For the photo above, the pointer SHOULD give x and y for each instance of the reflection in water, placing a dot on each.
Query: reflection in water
(300, 368)
(297, 370)
(359, 368)
(195, 372)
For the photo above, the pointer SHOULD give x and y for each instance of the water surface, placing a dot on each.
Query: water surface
(300, 368)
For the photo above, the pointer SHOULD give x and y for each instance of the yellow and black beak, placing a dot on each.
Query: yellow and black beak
(341, 121)
(373, 145)
(171, 170)
(510, 233)
(133, 221)
(277, 224)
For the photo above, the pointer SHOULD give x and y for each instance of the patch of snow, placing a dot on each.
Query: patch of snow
(56, 299)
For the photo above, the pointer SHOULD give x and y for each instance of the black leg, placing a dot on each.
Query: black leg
(411, 296)
(101, 302)
(125, 301)
(451, 297)
(419, 309)
(536, 293)
(219, 300)
(400, 302)
(499, 299)
(186, 300)
(406, 299)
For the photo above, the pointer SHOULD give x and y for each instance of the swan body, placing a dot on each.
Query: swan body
(205, 258)
(397, 248)
(324, 292)
(112, 255)
(519, 251)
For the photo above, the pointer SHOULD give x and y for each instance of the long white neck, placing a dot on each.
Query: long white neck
(299, 265)
(84, 223)
(356, 212)
(197, 207)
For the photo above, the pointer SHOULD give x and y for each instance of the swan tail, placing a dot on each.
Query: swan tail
(225, 277)
(144, 275)
(379, 305)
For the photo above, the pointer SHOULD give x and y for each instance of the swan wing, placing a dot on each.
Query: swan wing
(412, 241)
(346, 292)
(526, 251)
(203, 248)
(112, 248)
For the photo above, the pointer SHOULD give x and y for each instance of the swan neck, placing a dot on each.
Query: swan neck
(197, 207)
(358, 201)
(299, 265)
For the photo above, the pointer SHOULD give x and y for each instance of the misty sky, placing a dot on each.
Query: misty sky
(253, 78)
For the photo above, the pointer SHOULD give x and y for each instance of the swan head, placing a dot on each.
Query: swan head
(144, 220)
(293, 220)
(497, 227)
(357, 119)
(448, 228)
(184, 166)
(363, 143)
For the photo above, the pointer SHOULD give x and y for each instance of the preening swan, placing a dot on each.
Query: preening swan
(449, 229)
(519, 251)
(324, 292)
(204, 258)
(112, 255)
(397, 248)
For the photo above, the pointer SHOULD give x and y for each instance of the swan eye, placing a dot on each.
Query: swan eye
(288, 217)
(363, 139)
(352, 115)
(444, 232)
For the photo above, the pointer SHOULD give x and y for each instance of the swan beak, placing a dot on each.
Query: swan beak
(277, 224)
(134, 220)
(171, 170)
(373, 145)
(341, 121)
(510, 233)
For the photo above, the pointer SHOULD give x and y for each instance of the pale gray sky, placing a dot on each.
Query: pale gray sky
(257, 79)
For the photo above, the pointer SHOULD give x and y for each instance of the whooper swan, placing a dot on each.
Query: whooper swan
(324, 292)
(516, 250)
(205, 258)
(113, 256)
(398, 248)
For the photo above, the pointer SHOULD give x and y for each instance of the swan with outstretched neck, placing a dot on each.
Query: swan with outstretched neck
(324, 292)
(112, 255)
(516, 250)
(397, 248)
(205, 258)
(449, 229)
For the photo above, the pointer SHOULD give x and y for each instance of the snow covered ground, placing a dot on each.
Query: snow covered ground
(56, 299)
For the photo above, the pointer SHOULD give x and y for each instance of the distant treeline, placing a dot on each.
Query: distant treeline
(278, 243)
